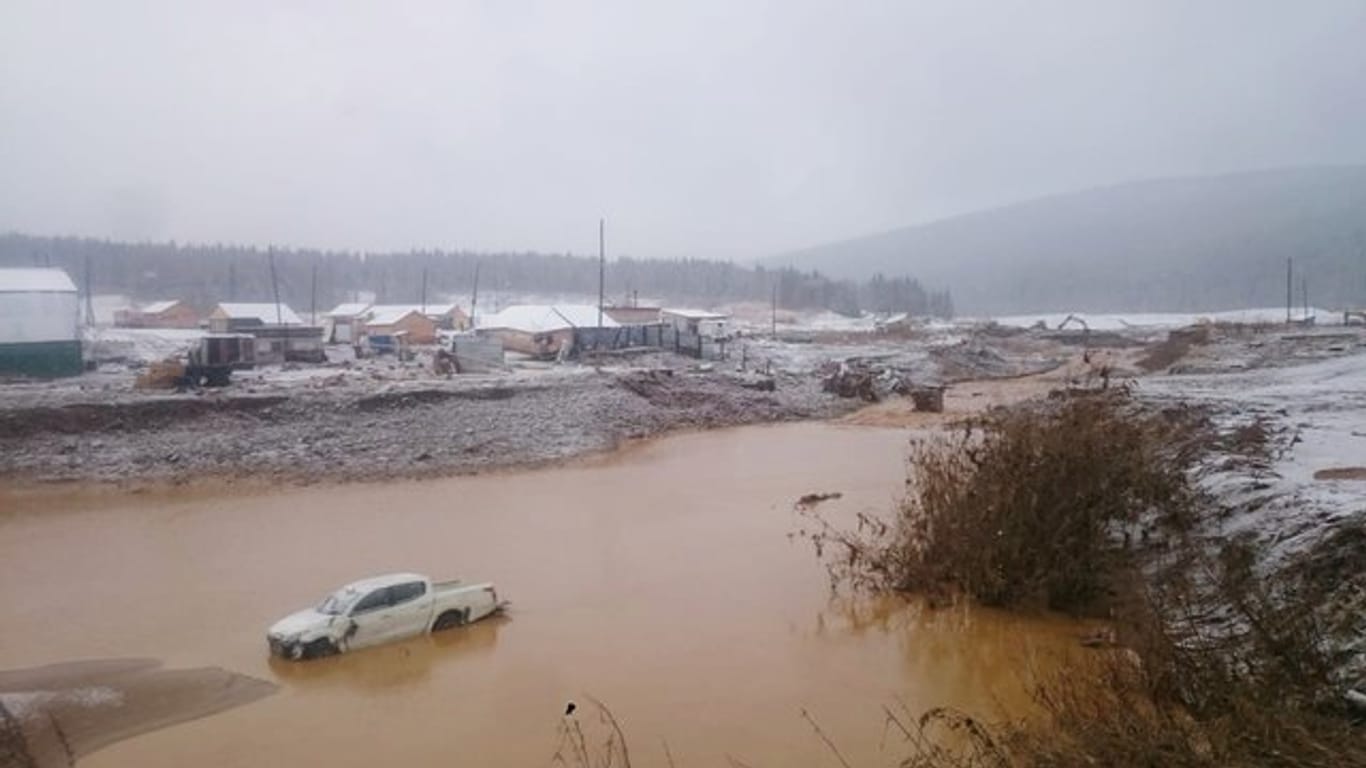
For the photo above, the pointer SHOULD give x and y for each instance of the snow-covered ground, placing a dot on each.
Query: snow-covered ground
(1315, 416)
(1323, 405)
(1119, 321)
(138, 345)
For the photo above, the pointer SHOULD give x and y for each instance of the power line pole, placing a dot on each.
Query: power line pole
(275, 287)
(1289, 286)
(775, 311)
(602, 265)
(424, 290)
(474, 297)
(313, 295)
(89, 298)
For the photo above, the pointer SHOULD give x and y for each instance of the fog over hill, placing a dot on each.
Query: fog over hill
(1178, 244)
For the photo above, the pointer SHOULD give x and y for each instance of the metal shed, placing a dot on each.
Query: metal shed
(39, 323)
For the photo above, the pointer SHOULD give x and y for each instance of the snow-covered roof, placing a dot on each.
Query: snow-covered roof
(35, 280)
(695, 314)
(355, 309)
(543, 318)
(157, 307)
(388, 314)
(265, 312)
(430, 310)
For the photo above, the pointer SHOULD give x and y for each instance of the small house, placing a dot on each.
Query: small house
(280, 334)
(239, 318)
(158, 314)
(39, 324)
(542, 330)
(448, 317)
(400, 320)
(697, 322)
(343, 325)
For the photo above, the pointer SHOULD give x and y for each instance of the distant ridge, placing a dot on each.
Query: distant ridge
(1163, 245)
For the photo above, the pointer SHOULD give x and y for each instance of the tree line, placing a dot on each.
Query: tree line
(204, 275)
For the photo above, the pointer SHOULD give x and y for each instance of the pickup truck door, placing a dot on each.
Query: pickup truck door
(412, 608)
(372, 619)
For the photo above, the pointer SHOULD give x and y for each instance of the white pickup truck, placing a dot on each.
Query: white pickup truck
(380, 610)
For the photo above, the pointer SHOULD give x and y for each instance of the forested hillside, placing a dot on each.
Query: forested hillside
(206, 274)
(1189, 244)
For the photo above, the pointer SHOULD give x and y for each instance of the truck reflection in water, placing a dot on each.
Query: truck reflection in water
(391, 667)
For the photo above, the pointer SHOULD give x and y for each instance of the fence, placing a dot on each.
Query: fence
(592, 340)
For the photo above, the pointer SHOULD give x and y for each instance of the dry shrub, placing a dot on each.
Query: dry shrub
(1026, 505)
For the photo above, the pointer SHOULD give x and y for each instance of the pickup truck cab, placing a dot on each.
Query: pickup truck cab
(380, 610)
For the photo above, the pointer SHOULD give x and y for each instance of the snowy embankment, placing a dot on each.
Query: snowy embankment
(1308, 498)
(1320, 409)
(1120, 321)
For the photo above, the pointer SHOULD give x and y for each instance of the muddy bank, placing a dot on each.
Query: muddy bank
(51, 716)
(414, 430)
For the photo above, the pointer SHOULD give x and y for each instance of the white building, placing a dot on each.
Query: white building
(39, 323)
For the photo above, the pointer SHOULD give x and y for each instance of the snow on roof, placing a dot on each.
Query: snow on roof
(388, 314)
(349, 310)
(264, 312)
(430, 310)
(35, 280)
(157, 307)
(696, 314)
(542, 318)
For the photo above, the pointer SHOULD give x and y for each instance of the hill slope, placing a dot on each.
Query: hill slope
(1187, 244)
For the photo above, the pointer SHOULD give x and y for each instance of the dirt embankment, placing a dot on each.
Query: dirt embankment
(430, 429)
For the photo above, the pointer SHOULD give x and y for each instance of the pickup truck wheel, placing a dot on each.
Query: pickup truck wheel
(448, 620)
(318, 649)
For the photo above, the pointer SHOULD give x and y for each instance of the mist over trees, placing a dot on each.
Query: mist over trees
(207, 274)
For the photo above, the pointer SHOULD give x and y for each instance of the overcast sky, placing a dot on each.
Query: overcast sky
(697, 127)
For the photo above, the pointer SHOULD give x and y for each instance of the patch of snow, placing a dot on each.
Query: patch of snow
(1158, 320)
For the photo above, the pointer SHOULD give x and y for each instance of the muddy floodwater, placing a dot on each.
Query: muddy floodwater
(661, 580)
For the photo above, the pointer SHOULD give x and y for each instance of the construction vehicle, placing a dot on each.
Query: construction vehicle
(212, 361)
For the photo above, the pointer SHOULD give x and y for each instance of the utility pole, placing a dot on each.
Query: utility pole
(89, 298)
(602, 265)
(474, 297)
(1304, 290)
(232, 279)
(275, 287)
(1289, 286)
(775, 311)
(313, 295)
(424, 290)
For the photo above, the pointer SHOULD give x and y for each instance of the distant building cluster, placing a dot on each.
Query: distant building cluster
(41, 319)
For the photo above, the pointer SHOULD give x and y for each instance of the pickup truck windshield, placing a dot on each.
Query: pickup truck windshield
(337, 603)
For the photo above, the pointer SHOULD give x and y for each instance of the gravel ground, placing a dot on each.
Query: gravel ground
(410, 429)
(375, 418)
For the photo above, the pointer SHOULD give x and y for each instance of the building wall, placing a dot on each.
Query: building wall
(535, 344)
(178, 316)
(40, 359)
(633, 315)
(35, 317)
(421, 330)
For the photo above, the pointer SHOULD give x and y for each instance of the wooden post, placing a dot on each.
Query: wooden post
(474, 297)
(602, 265)
(1289, 283)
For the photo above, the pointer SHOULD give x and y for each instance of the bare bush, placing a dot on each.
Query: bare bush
(1026, 505)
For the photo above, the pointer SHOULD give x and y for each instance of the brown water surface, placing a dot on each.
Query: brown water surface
(661, 580)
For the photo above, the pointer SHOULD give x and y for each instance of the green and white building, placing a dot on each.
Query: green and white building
(40, 333)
